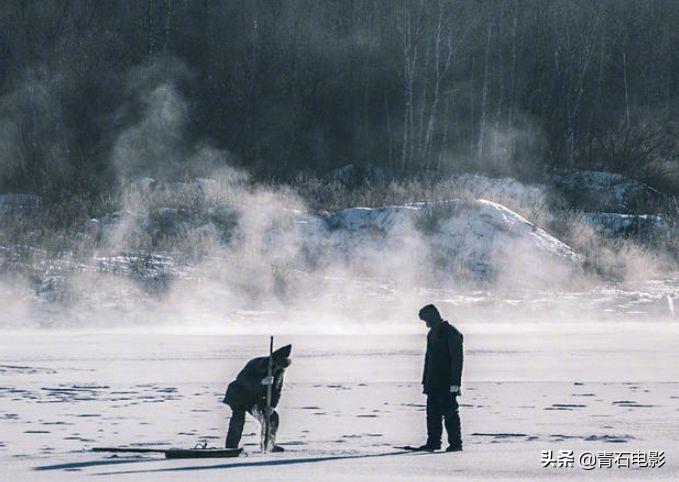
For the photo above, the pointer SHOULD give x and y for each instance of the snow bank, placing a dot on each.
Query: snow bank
(504, 187)
(604, 191)
(614, 224)
(472, 239)
(480, 238)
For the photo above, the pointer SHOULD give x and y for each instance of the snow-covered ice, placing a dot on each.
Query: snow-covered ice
(347, 401)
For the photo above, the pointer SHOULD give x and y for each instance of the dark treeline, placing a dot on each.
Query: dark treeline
(503, 87)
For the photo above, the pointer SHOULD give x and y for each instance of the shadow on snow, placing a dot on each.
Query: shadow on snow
(262, 463)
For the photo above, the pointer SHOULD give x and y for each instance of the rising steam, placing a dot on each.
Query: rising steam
(197, 244)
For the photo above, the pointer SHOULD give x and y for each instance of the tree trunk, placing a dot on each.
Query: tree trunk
(484, 95)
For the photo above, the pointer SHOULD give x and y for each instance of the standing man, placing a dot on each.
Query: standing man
(441, 380)
(247, 393)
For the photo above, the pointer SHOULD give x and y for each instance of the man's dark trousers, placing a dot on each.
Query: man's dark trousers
(443, 405)
(238, 421)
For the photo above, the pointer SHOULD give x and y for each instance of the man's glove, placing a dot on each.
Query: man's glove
(456, 390)
(268, 411)
(267, 381)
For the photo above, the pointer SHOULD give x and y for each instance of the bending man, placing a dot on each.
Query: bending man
(247, 393)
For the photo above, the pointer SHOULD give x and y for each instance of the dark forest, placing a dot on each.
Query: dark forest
(509, 87)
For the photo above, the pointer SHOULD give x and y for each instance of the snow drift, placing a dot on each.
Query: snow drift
(478, 239)
(647, 226)
(605, 191)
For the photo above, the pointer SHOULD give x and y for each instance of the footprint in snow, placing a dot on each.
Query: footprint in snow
(560, 437)
(631, 404)
(609, 438)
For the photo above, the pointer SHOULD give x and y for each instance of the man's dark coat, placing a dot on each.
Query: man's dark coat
(444, 358)
(247, 390)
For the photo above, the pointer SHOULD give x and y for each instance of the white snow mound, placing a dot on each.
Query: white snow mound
(481, 237)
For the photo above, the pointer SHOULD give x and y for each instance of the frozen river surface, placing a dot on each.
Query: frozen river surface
(347, 401)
